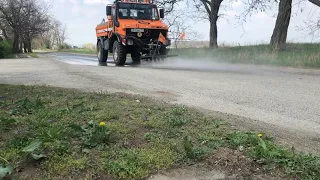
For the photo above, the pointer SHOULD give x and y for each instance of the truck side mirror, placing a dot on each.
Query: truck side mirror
(108, 8)
(161, 13)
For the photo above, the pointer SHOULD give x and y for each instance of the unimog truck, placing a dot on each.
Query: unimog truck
(133, 27)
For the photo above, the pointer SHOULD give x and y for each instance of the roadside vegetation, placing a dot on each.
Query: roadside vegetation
(295, 55)
(48, 132)
(79, 51)
(304, 55)
(5, 49)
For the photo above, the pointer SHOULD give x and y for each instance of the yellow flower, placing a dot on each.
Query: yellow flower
(102, 124)
(260, 135)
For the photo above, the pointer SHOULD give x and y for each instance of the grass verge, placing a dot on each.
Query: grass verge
(295, 55)
(54, 133)
(79, 51)
(33, 55)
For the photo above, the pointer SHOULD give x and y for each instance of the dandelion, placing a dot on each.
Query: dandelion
(260, 135)
(102, 124)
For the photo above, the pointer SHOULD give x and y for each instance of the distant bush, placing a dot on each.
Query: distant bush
(5, 49)
(64, 46)
(89, 46)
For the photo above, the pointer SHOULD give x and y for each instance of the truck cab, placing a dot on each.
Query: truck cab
(133, 27)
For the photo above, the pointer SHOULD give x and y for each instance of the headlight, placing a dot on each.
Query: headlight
(130, 42)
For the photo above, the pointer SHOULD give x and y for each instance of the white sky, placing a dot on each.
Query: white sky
(82, 16)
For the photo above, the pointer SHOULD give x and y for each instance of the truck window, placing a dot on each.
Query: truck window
(137, 11)
(113, 12)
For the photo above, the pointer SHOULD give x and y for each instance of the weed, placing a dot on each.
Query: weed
(190, 150)
(176, 121)
(26, 106)
(236, 139)
(66, 164)
(138, 163)
(5, 170)
(210, 140)
(179, 110)
(94, 134)
(151, 136)
(7, 123)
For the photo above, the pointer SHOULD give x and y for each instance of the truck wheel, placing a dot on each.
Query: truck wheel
(119, 54)
(136, 57)
(101, 53)
(163, 51)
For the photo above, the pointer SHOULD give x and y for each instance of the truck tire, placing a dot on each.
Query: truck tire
(136, 57)
(101, 53)
(163, 51)
(119, 54)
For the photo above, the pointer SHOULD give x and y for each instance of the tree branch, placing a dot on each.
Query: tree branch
(206, 4)
(315, 2)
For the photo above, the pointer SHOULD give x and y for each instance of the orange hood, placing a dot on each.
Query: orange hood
(144, 24)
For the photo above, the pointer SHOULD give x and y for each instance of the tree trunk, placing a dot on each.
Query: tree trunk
(279, 36)
(25, 47)
(29, 45)
(21, 47)
(213, 34)
(215, 6)
(16, 42)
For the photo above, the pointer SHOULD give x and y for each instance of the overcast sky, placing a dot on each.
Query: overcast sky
(82, 16)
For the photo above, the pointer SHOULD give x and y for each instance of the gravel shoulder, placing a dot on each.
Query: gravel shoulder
(282, 102)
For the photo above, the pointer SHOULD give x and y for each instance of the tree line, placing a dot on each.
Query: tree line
(210, 11)
(23, 21)
(27, 23)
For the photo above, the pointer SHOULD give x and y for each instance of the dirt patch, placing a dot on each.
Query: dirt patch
(223, 164)
(195, 172)
(236, 164)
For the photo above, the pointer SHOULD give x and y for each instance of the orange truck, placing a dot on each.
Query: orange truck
(133, 27)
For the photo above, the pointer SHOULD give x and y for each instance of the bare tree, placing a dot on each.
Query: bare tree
(177, 26)
(11, 12)
(55, 36)
(168, 5)
(35, 24)
(26, 19)
(279, 35)
(209, 10)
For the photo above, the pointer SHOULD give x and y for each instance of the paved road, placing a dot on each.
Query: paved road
(282, 101)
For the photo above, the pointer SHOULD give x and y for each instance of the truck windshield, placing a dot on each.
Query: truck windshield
(137, 11)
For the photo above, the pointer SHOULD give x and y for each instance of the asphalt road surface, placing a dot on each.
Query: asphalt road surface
(284, 102)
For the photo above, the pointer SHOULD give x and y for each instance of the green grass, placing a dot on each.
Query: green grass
(54, 133)
(295, 55)
(33, 55)
(80, 51)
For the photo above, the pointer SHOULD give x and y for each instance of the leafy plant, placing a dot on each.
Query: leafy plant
(5, 169)
(178, 111)
(26, 106)
(31, 148)
(7, 123)
(137, 163)
(236, 139)
(94, 134)
(191, 151)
